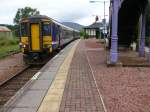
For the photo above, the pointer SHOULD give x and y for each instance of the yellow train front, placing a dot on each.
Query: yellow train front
(36, 39)
(41, 36)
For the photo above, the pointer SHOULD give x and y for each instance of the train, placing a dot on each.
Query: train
(41, 36)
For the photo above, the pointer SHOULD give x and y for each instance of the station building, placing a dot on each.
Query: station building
(94, 30)
(5, 32)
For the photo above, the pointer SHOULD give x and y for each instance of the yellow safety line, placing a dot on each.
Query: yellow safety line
(52, 101)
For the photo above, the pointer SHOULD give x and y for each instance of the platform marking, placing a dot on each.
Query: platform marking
(35, 77)
(100, 95)
(54, 57)
(52, 100)
(62, 51)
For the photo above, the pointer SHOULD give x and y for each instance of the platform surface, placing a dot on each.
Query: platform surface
(78, 80)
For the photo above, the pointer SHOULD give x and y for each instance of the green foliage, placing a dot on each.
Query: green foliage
(84, 35)
(16, 30)
(6, 41)
(22, 13)
(4, 51)
(8, 45)
(25, 13)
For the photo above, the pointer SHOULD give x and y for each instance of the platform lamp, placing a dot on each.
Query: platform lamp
(93, 1)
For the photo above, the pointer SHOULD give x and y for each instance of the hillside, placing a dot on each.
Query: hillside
(73, 25)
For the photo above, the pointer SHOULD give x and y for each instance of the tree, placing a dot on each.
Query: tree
(24, 13)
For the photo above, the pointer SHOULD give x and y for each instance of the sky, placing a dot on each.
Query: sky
(79, 11)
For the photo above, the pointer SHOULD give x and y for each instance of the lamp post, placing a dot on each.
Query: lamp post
(93, 1)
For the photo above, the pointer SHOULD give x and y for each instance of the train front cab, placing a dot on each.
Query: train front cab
(36, 39)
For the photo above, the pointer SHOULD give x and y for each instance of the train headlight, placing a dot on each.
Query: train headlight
(20, 44)
(47, 46)
(24, 46)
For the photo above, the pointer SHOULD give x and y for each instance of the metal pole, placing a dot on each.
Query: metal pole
(114, 35)
(142, 35)
(104, 24)
(104, 17)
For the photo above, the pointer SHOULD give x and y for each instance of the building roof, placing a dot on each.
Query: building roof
(4, 29)
(95, 25)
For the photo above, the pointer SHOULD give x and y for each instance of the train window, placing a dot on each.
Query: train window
(46, 29)
(24, 29)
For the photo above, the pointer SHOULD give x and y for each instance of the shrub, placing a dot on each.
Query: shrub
(84, 35)
(5, 41)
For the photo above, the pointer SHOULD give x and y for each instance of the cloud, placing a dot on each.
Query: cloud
(61, 10)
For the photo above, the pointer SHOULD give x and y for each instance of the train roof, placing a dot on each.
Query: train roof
(35, 18)
(39, 17)
(60, 24)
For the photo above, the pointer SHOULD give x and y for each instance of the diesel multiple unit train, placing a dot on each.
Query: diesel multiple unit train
(41, 36)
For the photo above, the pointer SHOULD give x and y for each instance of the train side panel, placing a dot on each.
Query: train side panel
(66, 36)
(55, 36)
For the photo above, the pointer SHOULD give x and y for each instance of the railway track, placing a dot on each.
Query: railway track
(12, 86)
(9, 89)
(10, 54)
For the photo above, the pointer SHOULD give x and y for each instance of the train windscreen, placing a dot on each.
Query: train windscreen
(46, 29)
(24, 30)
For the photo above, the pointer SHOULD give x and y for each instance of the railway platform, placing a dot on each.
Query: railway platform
(78, 80)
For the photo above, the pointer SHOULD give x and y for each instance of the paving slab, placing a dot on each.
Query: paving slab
(58, 62)
(52, 69)
(58, 85)
(120, 89)
(41, 85)
(124, 89)
(24, 110)
(80, 94)
(91, 86)
(31, 98)
(47, 76)
(132, 59)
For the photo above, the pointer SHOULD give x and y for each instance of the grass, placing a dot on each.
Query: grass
(8, 46)
(4, 51)
(6, 41)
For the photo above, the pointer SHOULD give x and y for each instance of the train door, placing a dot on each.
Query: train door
(60, 36)
(57, 34)
(35, 37)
